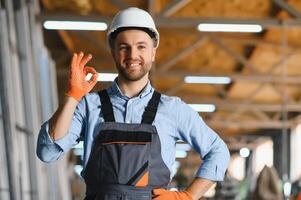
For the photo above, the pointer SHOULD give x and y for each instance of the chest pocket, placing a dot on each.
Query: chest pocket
(125, 156)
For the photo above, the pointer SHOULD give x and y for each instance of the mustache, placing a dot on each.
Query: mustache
(132, 60)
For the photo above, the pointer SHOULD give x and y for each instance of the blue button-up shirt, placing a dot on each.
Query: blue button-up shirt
(175, 120)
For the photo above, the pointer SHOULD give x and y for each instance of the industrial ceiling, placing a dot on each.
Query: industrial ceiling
(264, 67)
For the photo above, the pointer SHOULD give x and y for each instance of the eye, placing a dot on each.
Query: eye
(141, 47)
(123, 48)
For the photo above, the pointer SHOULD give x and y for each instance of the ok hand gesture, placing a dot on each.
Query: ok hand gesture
(78, 85)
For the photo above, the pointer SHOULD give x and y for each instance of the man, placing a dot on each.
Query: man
(130, 130)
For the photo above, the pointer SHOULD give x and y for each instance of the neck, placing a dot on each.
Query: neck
(131, 88)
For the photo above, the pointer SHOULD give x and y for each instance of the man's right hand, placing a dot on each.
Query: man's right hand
(78, 85)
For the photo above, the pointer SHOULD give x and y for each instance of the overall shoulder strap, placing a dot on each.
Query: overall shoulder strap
(151, 109)
(106, 106)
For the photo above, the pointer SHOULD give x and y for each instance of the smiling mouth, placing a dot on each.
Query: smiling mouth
(133, 65)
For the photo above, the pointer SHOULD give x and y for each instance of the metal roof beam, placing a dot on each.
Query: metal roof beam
(231, 104)
(251, 40)
(174, 7)
(233, 53)
(67, 39)
(288, 8)
(180, 22)
(175, 88)
(120, 4)
(262, 78)
(249, 124)
(186, 22)
(180, 55)
(243, 40)
(94, 41)
(151, 6)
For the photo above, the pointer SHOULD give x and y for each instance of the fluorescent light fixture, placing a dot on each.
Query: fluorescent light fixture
(244, 152)
(250, 28)
(75, 25)
(80, 145)
(103, 77)
(78, 151)
(287, 187)
(183, 147)
(181, 154)
(207, 79)
(203, 107)
(107, 77)
(78, 169)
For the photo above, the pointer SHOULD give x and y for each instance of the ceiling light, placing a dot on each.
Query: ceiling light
(78, 151)
(244, 152)
(183, 147)
(106, 77)
(75, 25)
(79, 145)
(103, 77)
(287, 187)
(207, 79)
(78, 169)
(203, 107)
(181, 154)
(251, 28)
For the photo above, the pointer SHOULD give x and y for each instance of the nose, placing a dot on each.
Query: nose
(133, 53)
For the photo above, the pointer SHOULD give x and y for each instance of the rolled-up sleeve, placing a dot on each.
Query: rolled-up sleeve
(49, 150)
(205, 141)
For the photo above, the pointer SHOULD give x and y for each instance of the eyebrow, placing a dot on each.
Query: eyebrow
(123, 43)
(142, 43)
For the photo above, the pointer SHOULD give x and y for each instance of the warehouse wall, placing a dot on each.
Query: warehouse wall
(28, 97)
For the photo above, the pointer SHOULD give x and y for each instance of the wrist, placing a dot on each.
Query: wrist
(70, 100)
(76, 94)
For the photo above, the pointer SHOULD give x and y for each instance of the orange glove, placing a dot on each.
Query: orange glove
(78, 86)
(162, 194)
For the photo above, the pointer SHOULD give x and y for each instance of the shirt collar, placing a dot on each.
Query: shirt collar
(114, 89)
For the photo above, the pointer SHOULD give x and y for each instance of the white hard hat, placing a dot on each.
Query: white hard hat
(133, 17)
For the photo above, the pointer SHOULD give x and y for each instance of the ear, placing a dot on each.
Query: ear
(113, 53)
(154, 54)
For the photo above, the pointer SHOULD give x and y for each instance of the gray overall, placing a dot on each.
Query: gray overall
(125, 161)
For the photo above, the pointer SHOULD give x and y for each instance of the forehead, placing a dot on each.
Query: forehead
(133, 35)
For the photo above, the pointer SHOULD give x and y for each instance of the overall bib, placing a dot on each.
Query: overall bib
(125, 161)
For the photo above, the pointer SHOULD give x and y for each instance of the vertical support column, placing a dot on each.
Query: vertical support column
(277, 147)
(284, 155)
(5, 98)
(22, 57)
(28, 80)
(281, 152)
(4, 180)
(46, 94)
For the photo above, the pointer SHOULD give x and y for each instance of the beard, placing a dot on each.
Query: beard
(134, 74)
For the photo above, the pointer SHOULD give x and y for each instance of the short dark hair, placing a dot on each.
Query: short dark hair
(114, 34)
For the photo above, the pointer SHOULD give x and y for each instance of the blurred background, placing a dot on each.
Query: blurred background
(236, 62)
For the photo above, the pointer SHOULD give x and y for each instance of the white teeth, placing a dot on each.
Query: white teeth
(134, 65)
